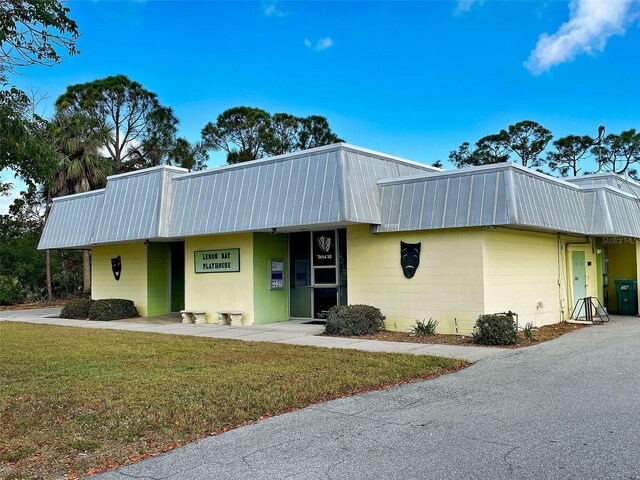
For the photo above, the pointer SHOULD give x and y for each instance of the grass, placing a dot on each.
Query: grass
(76, 401)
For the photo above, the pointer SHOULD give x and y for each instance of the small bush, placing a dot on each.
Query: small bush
(424, 328)
(350, 320)
(77, 308)
(112, 309)
(528, 331)
(496, 329)
(9, 290)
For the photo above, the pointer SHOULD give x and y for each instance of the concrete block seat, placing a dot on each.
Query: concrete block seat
(194, 316)
(230, 317)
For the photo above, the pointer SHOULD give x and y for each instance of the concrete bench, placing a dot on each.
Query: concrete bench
(194, 316)
(230, 317)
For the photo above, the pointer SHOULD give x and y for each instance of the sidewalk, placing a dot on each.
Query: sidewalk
(291, 332)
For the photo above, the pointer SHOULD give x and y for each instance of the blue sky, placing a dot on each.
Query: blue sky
(409, 79)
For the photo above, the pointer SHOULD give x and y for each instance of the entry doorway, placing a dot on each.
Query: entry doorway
(176, 278)
(583, 280)
(579, 276)
(317, 273)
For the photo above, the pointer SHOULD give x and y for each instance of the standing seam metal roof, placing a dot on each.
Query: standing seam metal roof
(338, 184)
(508, 195)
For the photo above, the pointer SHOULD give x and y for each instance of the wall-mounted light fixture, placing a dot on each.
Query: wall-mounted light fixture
(274, 231)
(146, 242)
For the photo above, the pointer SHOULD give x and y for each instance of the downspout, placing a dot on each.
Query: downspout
(562, 319)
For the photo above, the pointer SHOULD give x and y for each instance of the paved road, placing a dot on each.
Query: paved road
(564, 409)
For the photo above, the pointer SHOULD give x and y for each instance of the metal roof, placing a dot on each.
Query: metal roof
(133, 205)
(335, 184)
(72, 220)
(339, 184)
(509, 195)
(618, 182)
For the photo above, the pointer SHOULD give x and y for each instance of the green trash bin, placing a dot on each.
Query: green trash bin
(627, 295)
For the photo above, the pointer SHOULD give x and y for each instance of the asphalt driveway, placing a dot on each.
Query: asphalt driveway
(565, 409)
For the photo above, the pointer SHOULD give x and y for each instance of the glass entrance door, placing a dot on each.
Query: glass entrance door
(317, 273)
(325, 272)
(300, 287)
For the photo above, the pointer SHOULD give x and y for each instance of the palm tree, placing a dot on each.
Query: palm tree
(78, 140)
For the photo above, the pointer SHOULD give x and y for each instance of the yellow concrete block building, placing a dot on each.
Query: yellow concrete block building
(292, 236)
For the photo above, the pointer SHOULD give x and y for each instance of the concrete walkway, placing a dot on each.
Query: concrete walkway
(292, 332)
(566, 409)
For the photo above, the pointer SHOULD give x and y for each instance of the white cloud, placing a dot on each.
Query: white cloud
(324, 43)
(591, 23)
(271, 10)
(464, 6)
(321, 44)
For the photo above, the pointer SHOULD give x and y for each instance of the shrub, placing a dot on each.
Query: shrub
(528, 331)
(425, 328)
(496, 329)
(350, 320)
(77, 308)
(112, 309)
(9, 290)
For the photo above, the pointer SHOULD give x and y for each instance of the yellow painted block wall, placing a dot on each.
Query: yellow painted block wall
(447, 285)
(523, 268)
(133, 280)
(521, 271)
(213, 292)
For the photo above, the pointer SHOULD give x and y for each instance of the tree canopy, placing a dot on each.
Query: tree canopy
(248, 133)
(32, 32)
(568, 154)
(23, 145)
(524, 141)
(35, 32)
(132, 114)
(620, 153)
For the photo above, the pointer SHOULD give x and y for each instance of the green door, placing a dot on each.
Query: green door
(579, 279)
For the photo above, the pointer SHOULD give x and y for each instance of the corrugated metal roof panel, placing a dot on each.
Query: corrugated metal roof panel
(544, 202)
(619, 182)
(72, 221)
(326, 185)
(135, 205)
(266, 194)
(460, 198)
(362, 171)
(508, 195)
(340, 184)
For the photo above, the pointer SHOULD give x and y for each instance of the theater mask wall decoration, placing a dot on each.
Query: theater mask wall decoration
(116, 267)
(409, 258)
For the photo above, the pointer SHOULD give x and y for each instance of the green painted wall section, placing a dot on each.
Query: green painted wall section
(269, 305)
(177, 276)
(599, 262)
(157, 279)
(621, 266)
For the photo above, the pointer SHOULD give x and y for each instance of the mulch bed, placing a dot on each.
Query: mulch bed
(33, 306)
(541, 334)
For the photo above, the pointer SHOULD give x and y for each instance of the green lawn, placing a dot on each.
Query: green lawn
(74, 399)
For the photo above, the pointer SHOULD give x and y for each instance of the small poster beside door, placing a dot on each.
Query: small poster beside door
(277, 274)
